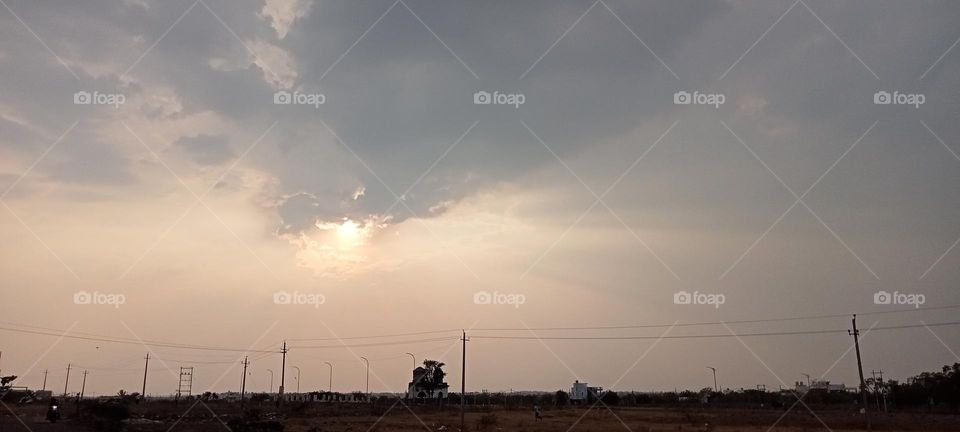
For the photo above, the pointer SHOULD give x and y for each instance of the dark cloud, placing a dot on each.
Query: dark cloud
(399, 98)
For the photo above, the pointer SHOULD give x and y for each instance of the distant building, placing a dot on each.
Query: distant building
(582, 392)
(819, 385)
(422, 386)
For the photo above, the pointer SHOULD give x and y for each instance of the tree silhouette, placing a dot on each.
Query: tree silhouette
(430, 376)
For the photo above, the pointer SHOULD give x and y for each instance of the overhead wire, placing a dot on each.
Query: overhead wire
(709, 336)
(270, 350)
(730, 322)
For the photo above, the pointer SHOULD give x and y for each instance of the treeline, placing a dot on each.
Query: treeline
(933, 391)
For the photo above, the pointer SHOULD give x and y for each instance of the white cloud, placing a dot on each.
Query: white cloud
(276, 63)
(283, 13)
(359, 193)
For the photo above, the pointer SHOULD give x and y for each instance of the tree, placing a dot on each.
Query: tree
(5, 381)
(5, 385)
(610, 398)
(561, 398)
(431, 376)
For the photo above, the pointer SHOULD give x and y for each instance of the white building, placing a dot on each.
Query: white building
(582, 392)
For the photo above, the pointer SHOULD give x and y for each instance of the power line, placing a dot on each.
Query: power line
(708, 323)
(707, 336)
(46, 331)
(377, 336)
(392, 357)
(80, 333)
(374, 344)
(111, 339)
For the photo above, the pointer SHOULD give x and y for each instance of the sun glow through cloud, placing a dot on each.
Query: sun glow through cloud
(348, 231)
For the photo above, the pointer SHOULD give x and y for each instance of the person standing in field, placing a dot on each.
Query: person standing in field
(537, 415)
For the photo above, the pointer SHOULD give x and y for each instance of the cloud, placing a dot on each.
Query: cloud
(276, 64)
(206, 149)
(283, 13)
(337, 248)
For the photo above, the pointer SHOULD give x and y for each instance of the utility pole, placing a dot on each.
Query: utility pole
(83, 385)
(44, 380)
(879, 391)
(863, 386)
(715, 388)
(243, 380)
(143, 391)
(283, 372)
(66, 381)
(883, 391)
(463, 380)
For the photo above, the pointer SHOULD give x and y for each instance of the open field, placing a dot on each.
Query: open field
(220, 416)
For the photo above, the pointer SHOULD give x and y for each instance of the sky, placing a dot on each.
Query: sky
(232, 174)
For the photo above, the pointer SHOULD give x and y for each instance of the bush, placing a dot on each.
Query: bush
(610, 398)
(109, 415)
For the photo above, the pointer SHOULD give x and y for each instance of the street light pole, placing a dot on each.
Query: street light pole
(715, 388)
(414, 359)
(368, 375)
(298, 378)
(271, 379)
(330, 389)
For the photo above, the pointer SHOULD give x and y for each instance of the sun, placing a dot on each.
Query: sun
(348, 230)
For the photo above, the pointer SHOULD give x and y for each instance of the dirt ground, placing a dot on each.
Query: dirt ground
(222, 416)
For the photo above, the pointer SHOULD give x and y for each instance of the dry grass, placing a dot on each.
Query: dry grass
(398, 418)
